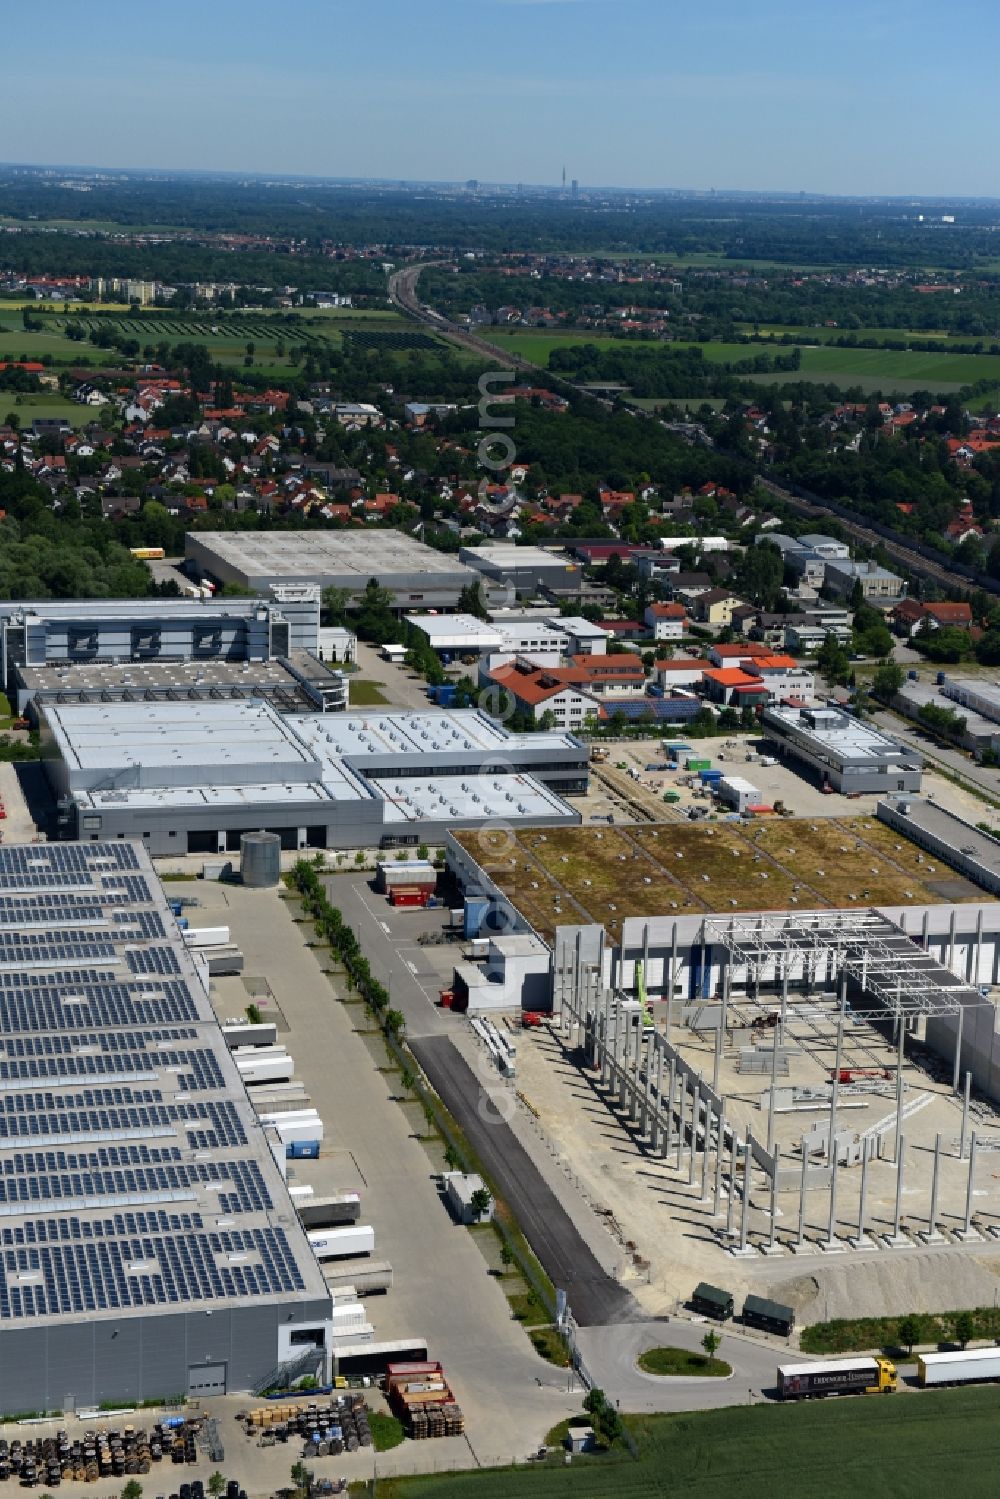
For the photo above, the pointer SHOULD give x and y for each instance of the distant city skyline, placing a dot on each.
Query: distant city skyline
(647, 94)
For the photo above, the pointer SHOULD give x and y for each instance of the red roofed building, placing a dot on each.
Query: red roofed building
(538, 691)
(732, 687)
(667, 621)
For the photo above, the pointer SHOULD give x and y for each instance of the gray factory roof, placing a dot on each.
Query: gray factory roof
(231, 737)
(918, 694)
(354, 555)
(470, 797)
(172, 608)
(506, 555)
(106, 680)
(458, 632)
(226, 755)
(839, 734)
(134, 1174)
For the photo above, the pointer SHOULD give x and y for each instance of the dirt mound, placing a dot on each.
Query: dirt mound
(880, 1286)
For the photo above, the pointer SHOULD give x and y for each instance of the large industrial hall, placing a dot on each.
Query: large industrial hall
(149, 1246)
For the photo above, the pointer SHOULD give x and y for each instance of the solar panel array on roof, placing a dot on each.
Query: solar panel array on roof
(133, 1170)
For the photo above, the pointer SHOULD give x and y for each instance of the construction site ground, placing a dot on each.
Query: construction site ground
(673, 1237)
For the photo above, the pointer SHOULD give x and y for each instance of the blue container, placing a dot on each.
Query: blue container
(912, 675)
(446, 695)
(942, 676)
(183, 923)
(302, 1150)
(706, 777)
(176, 907)
(477, 906)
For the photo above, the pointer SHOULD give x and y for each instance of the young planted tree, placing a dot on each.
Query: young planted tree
(711, 1343)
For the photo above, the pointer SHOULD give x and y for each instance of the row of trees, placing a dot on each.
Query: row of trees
(331, 927)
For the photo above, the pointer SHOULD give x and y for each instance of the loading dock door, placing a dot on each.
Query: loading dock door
(207, 1379)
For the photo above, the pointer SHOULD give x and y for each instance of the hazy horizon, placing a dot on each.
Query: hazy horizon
(647, 93)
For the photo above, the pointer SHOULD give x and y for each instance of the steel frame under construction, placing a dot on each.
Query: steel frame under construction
(875, 971)
(891, 973)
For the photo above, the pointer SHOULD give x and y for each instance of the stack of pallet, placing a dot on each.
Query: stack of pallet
(421, 1398)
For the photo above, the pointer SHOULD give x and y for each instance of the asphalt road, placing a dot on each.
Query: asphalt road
(595, 1299)
(610, 1353)
(986, 779)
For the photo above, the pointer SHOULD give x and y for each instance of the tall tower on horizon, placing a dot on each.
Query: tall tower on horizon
(564, 180)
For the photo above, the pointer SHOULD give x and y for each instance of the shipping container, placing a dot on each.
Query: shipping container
(836, 1376)
(366, 1276)
(227, 959)
(239, 1033)
(402, 897)
(342, 1243)
(302, 1150)
(769, 1316)
(207, 936)
(337, 1208)
(960, 1367)
(693, 763)
(712, 1302)
(376, 1358)
(419, 872)
(265, 1067)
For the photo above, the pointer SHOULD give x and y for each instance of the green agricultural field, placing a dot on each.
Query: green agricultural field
(885, 369)
(906, 1447)
(27, 407)
(538, 346)
(224, 336)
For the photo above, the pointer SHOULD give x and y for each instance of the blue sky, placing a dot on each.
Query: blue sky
(856, 97)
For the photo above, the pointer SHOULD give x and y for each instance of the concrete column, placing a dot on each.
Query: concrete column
(971, 1186)
(863, 1198)
(835, 1091)
(774, 1084)
(899, 1082)
(784, 997)
(673, 979)
(925, 929)
(732, 1182)
(900, 1163)
(624, 1062)
(720, 1152)
(706, 1153)
(831, 1236)
(972, 952)
(775, 1158)
(681, 1111)
(965, 1116)
(645, 958)
(951, 940)
(668, 1112)
(656, 1111)
(957, 1068)
(695, 1116)
(635, 1107)
(932, 1216)
(802, 1197)
(745, 1214)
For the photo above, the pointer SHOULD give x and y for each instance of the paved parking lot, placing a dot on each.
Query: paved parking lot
(442, 1290)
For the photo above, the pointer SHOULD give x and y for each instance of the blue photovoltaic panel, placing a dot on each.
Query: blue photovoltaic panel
(130, 1177)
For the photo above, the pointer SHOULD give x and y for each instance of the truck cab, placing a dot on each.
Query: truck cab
(886, 1379)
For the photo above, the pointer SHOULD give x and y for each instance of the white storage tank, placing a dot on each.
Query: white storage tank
(260, 860)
